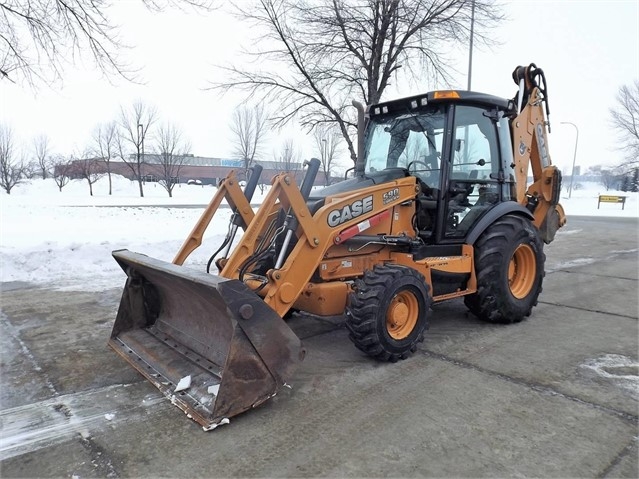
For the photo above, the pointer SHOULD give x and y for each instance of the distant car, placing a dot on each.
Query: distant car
(194, 182)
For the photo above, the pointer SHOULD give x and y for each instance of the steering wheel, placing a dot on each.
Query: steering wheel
(419, 162)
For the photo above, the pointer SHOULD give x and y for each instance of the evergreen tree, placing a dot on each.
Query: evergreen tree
(625, 182)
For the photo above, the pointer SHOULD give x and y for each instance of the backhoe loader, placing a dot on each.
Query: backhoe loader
(438, 207)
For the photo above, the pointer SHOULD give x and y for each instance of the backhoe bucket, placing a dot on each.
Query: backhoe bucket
(175, 325)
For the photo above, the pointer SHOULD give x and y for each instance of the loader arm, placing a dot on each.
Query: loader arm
(315, 233)
(230, 190)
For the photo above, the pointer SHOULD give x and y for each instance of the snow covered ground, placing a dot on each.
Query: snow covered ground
(64, 239)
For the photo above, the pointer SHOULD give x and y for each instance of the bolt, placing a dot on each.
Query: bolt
(316, 241)
(287, 180)
(246, 311)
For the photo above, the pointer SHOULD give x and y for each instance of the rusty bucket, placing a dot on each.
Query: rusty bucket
(210, 344)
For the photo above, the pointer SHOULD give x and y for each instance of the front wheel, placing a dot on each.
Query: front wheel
(386, 315)
(509, 265)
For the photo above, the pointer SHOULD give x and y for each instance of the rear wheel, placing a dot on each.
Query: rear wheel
(509, 264)
(387, 312)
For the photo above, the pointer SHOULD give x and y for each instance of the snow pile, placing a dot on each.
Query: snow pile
(65, 239)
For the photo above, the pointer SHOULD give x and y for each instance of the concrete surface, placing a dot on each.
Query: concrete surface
(554, 396)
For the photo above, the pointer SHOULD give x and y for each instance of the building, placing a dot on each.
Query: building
(200, 169)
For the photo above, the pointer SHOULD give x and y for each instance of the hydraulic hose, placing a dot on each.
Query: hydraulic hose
(291, 223)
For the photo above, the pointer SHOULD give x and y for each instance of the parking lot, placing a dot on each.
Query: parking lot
(554, 396)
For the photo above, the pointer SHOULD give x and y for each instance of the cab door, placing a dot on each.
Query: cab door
(472, 178)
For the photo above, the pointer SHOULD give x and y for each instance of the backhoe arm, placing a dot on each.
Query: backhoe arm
(530, 142)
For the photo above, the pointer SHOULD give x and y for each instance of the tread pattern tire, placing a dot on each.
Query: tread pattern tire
(368, 305)
(494, 301)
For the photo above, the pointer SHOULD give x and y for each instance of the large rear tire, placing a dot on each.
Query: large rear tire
(386, 315)
(509, 265)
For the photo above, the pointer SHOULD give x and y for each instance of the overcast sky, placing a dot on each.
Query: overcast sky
(588, 49)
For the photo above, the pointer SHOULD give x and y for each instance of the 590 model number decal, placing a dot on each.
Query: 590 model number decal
(391, 195)
(348, 212)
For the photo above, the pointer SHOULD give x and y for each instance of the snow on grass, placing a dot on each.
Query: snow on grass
(583, 202)
(65, 239)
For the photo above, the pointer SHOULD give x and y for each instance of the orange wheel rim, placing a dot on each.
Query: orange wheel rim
(522, 271)
(402, 314)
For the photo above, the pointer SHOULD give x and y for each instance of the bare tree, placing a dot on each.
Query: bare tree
(30, 170)
(325, 53)
(171, 153)
(135, 124)
(249, 129)
(41, 151)
(104, 138)
(38, 37)
(625, 119)
(62, 170)
(10, 169)
(327, 140)
(288, 158)
(90, 169)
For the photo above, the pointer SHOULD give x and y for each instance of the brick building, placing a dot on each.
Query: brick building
(204, 170)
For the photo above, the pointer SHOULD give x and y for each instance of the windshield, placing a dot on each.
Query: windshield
(412, 141)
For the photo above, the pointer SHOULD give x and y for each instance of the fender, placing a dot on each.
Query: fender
(502, 209)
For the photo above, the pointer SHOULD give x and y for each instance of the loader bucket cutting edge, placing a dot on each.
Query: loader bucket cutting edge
(174, 322)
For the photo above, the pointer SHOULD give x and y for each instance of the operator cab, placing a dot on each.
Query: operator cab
(457, 145)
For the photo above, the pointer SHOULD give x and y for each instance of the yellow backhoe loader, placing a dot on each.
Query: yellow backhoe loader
(438, 208)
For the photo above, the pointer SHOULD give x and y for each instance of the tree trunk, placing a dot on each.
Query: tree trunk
(139, 175)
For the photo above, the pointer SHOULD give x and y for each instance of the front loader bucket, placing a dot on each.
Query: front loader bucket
(175, 323)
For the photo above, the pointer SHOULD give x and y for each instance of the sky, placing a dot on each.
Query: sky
(588, 49)
(41, 243)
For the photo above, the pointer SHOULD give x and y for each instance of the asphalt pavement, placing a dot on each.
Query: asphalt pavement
(554, 396)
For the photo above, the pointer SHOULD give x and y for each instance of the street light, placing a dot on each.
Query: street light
(141, 145)
(470, 52)
(574, 159)
(141, 139)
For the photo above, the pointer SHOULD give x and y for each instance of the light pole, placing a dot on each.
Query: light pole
(325, 161)
(140, 147)
(470, 53)
(574, 159)
(141, 138)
